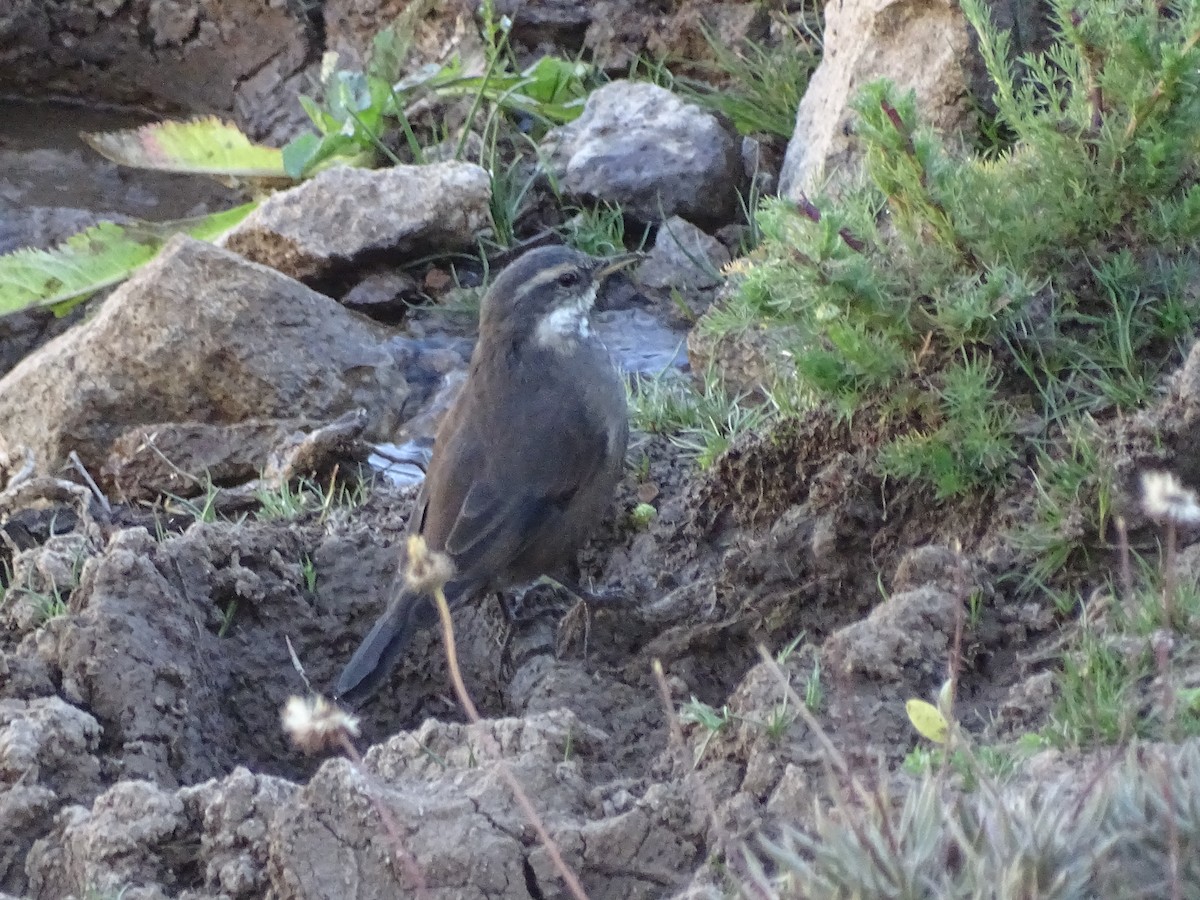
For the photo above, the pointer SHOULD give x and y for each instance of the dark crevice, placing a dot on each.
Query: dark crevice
(531, 881)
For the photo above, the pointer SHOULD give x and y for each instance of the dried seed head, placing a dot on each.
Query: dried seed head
(427, 569)
(1166, 500)
(315, 724)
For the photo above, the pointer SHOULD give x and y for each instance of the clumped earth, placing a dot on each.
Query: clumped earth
(234, 551)
(141, 744)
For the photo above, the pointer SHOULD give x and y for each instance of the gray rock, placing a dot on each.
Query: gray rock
(762, 160)
(382, 295)
(906, 636)
(683, 257)
(198, 335)
(190, 54)
(184, 458)
(640, 146)
(866, 40)
(462, 831)
(332, 220)
(124, 840)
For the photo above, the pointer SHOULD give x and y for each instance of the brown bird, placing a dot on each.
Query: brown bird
(526, 461)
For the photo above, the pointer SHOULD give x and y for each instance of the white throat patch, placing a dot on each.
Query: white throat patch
(562, 328)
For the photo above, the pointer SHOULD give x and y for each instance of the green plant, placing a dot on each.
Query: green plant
(344, 494)
(598, 230)
(50, 604)
(814, 692)
(227, 615)
(759, 87)
(970, 444)
(202, 508)
(713, 721)
(1097, 692)
(643, 514)
(308, 571)
(779, 720)
(359, 107)
(1072, 503)
(285, 502)
(701, 420)
(982, 309)
(1071, 837)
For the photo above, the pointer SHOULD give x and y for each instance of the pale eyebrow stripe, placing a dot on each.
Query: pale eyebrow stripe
(545, 276)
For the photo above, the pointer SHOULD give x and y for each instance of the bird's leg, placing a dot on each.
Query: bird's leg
(584, 603)
(599, 599)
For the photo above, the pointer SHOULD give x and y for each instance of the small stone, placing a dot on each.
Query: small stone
(382, 295)
(683, 257)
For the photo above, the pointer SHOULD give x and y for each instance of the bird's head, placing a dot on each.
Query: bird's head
(545, 297)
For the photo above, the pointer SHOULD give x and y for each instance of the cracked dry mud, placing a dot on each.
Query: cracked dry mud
(140, 746)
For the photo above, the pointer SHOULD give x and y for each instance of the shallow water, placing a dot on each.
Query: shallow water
(44, 162)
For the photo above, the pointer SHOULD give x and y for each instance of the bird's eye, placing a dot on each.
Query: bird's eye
(568, 279)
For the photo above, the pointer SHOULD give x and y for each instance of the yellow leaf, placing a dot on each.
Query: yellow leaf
(928, 720)
(204, 146)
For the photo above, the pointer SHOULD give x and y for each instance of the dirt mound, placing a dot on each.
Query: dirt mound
(140, 745)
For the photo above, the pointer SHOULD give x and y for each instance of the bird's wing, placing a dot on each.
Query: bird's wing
(508, 498)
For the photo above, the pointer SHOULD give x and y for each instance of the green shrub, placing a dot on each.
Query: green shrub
(984, 306)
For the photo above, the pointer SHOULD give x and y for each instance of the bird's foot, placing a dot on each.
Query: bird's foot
(577, 623)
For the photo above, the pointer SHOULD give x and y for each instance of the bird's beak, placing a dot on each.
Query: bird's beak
(613, 264)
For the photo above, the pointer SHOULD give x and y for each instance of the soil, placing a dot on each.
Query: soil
(153, 699)
(147, 649)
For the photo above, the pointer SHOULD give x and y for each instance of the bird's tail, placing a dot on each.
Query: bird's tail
(381, 648)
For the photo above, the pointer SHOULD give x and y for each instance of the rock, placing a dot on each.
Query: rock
(870, 39)
(267, 106)
(198, 335)
(462, 831)
(181, 54)
(42, 577)
(762, 160)
(165, 647)
(640, 146)
(236, 813)
(622, 31)
(934, 565)
(747, 360)
(26, 812)
(185, 458)
(47, 741)
(383, 296)
(683, 257)
(331, 221)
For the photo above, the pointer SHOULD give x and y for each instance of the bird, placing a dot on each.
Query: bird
(527, 459)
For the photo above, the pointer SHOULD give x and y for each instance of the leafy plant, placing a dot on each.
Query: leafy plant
(203, 146)
(711, 720)
(982, 307)
(99, 257)
(358, 108)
